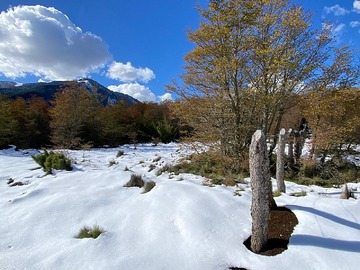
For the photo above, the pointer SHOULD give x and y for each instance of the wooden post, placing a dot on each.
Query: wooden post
(345, 194)
(290, 158)
(260, 210)
(280, 161)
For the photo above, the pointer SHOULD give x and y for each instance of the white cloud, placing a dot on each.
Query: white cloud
(337, 10)
(165, 97)
(140, 92)
(354, 24)
(356, 5)
(127, 73)
(338, 30)
(44, 42)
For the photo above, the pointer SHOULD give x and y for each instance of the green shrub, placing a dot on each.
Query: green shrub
(88, 232)
(49, 161)
(135, 181)
(276, 193)
(149, 186)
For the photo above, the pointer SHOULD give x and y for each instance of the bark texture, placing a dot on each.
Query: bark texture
(260, 210)
(280, 161)
(345, 194)
(291, 148)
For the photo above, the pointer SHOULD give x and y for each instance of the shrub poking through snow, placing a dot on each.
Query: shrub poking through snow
(90, 232)
(120, 153)
(298, 194)
(112, 162)
(135, 181)
(49, 161)
(149, 186)
(151, 167)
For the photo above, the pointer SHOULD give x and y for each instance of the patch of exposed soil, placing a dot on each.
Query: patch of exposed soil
(281, 226)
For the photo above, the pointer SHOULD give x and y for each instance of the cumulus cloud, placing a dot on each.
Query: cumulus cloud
(127, 73)
(356, 5)
(140, 92)
(337, 10)
(165, 97)
(44, 42)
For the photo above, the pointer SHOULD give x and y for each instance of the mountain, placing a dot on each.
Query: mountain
(47, 90)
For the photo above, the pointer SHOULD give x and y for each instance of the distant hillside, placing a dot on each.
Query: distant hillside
(48, 90)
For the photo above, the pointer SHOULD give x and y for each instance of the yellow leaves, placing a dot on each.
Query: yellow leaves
(333, 115)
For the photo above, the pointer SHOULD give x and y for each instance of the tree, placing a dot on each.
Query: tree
(249, 60)
(7, 122)
(32, 127)
(74, 118)
(334, 118)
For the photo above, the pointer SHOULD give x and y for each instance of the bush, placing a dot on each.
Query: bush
(135, 181)
(120, 153)
(149, 186)
(112, 162)
(88, 232)
(151, 167)
(211, 165)
(49, 161)
(334, 172)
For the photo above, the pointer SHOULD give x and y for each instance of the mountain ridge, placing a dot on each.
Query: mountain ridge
(47, 90)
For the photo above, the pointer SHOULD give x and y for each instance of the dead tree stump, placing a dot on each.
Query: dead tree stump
(290, 140)
(280, 161)
(345, 194)
(260, 210)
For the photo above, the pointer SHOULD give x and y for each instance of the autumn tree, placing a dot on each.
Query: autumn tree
(249, 60)
(334, 118)
(74, 118)
(24, 123)
(7, 122)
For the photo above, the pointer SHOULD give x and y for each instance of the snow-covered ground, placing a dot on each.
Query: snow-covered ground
(180, 224)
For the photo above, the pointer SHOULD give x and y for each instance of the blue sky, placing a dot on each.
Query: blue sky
(135, 47)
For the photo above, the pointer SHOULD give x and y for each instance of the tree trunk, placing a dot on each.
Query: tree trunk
(280, 161)
(260, 210)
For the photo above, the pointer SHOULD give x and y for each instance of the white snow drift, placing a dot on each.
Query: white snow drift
(180, 224)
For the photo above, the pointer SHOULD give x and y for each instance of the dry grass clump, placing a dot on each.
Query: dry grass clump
(135, 181)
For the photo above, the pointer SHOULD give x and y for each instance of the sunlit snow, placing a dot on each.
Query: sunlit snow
(180, 224)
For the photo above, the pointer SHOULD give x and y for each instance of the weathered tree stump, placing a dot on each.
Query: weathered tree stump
(290, 158)
(260, 210)
(345, 194)
(280, 161)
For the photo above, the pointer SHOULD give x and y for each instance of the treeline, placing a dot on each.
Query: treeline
(76, 119)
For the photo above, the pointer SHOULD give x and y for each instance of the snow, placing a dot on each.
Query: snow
(180, 224)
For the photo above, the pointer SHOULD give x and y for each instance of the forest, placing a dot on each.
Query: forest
(76, 119)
